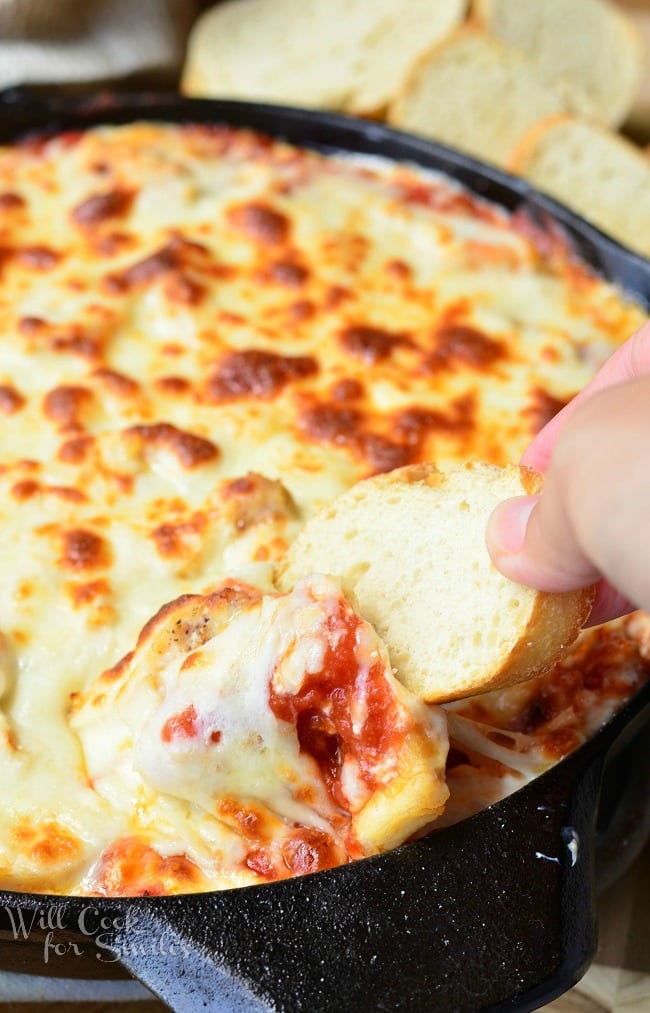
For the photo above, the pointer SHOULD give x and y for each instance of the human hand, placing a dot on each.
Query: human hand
(591, 522)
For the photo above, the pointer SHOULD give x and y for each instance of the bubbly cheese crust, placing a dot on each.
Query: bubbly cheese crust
(205, 335)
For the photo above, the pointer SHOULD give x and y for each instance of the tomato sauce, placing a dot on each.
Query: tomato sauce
(322, 710)
(181, 726)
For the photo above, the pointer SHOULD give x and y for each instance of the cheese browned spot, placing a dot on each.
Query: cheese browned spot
(260, 222)
(331, 424)
(31, 325)
(176, 539)
(344, 426)
(461, 343)
(75, 450)
(117, 383)
(66, 405)
(109, 244)
(170, 265)
(66, 492)
(155, 266)
(25, 489)
(11, 400)
(286, 272)
(10, 201)
(371, 344)
(175, 386)
(301, 310)
(47, 843)
(258, 373)
(191, 450)
(84, 550)
(75, 341)
(92, 591)
(381, 453)
(347, 390)
(39, 258)
(99, 207)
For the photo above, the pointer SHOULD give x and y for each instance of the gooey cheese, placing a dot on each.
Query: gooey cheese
(204, 336)
(278, 716)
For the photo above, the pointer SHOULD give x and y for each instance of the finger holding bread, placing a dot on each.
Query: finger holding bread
(591, 518)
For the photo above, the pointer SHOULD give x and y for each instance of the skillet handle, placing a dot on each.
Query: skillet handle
(167, 959)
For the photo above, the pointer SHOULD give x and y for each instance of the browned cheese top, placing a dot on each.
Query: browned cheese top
(205, 335)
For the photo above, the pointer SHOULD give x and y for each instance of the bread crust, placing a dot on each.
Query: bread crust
(529, 140)
(610, 37)
(348, 57)
(487, 136)
(601, 175)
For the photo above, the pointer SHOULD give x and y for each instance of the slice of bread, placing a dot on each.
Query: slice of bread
(410, 547)
(599, 174)
(351, 55)
(472, 92)
(284, 51)
(396, 37)
(588, 45)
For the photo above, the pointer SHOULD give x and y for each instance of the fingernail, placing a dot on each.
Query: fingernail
(508, 524)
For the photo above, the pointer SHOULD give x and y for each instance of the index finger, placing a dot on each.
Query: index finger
(628, 362)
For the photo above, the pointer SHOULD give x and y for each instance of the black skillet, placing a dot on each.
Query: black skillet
(495, 913)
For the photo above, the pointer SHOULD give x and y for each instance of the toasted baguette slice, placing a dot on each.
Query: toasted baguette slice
(589, 46)
(599, 174)
(472, 92)
(352, 55)
(400, 32)
(410, 546)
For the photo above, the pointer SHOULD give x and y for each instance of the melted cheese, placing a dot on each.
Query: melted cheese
(228, 703)
(500, 741)
(204, 336)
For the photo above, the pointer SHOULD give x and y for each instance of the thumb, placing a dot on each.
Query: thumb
(530, 546)
(591, 518)
(515, 544)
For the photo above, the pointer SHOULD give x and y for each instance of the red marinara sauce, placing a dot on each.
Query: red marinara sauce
(323, 710)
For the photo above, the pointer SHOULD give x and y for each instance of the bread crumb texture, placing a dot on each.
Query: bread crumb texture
(410, 546)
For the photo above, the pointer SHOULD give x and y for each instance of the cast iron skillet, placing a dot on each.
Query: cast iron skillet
(495, 913)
